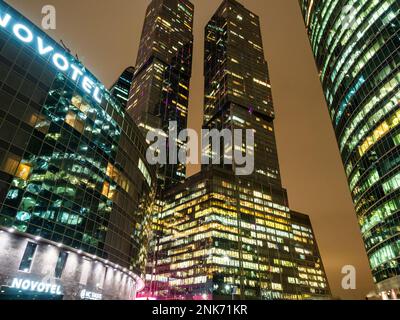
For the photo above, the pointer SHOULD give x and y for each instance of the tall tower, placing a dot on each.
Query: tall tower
(237, 85)
(225, 236)
(356, 47)
(160, 89)
(121, 88)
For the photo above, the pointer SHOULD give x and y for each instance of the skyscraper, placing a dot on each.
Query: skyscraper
(237, 86)
(356, 45)
(160, 89)
(75, 189)
(227, 236)
(121, 88)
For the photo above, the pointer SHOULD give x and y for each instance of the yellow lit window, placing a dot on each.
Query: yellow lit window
(183, 86)
(111, 192)
(74, 122)
(380, 132)
(183, 96)
(10, 164)
(260, 82)
(106, 189)
(31, 119)
(23, 171)
(79, 103)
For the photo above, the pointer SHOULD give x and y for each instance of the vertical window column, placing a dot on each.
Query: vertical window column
(27, 259)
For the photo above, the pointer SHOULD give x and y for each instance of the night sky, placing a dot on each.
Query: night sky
(105, 34)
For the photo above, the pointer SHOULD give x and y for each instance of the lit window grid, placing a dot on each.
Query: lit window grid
(366, 132)
(83, 228)
(183, 250)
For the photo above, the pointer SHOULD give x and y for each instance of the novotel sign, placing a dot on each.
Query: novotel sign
(62, 62)
(36, 286)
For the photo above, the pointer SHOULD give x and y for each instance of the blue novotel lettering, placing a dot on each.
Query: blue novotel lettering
(61, 61)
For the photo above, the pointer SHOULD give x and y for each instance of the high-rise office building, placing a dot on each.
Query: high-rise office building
(229, 238)
(75, 189)
(307, 258)
(356, 45)
(237, 86)
(160, 89)
(226, 236)
(121, 88)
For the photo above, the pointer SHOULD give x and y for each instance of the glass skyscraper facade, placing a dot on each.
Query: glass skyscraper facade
(356, 45)
(229, 238)
(225, 236)
(237, 86)
(75, 190)
(121, 88)
(160, 89)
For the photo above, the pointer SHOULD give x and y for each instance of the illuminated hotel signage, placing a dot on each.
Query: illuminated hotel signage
(63, 62)
(36, 286)
(88, 295)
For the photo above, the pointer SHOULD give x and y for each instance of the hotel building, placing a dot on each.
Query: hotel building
(75, 189)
